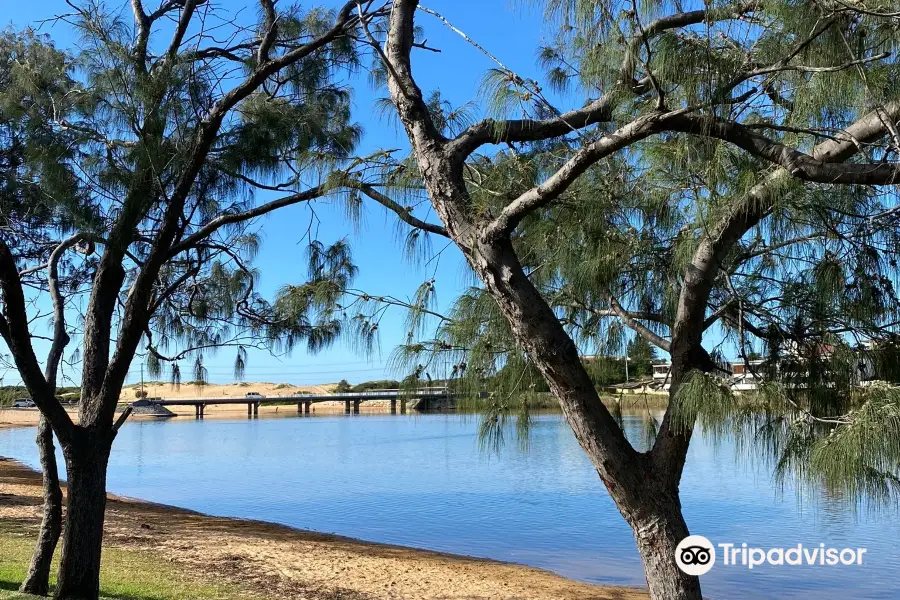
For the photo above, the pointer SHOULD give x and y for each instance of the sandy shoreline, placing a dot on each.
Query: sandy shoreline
(282, 562)
(29, 417)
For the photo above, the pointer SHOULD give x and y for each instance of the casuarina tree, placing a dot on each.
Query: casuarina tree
(175, 114)
(40, 200)
(709, 145)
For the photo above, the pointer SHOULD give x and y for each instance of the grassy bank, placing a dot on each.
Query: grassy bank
(131, 574)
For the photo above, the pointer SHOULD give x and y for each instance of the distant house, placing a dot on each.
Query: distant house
(661, 374)
(742, 375)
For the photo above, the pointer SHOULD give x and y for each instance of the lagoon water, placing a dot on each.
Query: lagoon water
(424, 481)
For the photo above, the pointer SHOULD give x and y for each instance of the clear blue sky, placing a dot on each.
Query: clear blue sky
(511, 32)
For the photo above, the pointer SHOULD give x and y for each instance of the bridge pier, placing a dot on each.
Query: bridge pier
(346, 407)
(356, 407)
(393, 406)
(306, 406)
(402, 406)
(255, 409)
(249, 410)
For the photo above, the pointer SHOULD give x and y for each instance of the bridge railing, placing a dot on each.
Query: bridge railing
(441, 390)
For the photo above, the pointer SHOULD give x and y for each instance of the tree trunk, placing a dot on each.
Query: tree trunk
(37, 581)
(87, 456)
(643, 485)
(657, 531)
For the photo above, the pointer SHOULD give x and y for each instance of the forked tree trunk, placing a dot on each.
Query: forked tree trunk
(37, 581)
(87, 456)
(645, 490)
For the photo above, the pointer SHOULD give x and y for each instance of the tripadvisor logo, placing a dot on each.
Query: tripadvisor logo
(696, 555)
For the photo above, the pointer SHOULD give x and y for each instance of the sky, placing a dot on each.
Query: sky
(510, 30)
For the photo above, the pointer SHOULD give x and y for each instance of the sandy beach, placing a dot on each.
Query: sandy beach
(230, 390)
(25, 417)
(280, 562)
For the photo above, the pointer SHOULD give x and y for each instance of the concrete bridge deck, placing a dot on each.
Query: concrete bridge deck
(351, 400)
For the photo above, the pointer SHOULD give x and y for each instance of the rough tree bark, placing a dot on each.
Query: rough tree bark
(643, 485)
(37, 580)
(86, 461)
(658, 528)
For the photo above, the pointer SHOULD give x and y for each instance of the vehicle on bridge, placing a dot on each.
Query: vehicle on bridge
(254, 395)
(24, 403)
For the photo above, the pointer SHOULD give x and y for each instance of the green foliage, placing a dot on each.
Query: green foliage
(342, 387)
(854, 454)
(641, 355)
(11, 393)
(885, 359)
(380, 384)
(606, 370)
(860, 456)
(706, 400)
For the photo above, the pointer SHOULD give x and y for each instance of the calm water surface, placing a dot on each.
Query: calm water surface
(424, 481)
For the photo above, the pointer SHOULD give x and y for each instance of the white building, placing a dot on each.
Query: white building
(742, 375)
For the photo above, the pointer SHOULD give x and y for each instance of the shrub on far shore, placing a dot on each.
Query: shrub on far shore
(11, 393)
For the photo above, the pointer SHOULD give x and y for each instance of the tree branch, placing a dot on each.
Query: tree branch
(60, 335)
(226, 219)
(745, 213)
(640, 328)
(550, 189)
(14, 330)
(403, 212)
(136, 313)
(491, 131)
(270, 31)
(798, 164)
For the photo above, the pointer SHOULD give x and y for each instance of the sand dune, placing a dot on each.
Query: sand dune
(230, 390)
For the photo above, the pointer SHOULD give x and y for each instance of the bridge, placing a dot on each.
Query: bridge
(351, 400)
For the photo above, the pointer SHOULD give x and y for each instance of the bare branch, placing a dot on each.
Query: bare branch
(491, 131)
(541, 195)
(122, 418)
(807, 69)
(60, 336)
(403, 212)
(270, 31)
(641, 329)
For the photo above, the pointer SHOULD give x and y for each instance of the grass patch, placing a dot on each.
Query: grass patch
(125, 575)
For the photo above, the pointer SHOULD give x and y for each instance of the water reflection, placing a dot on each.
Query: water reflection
(423, 481)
